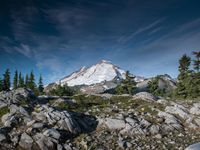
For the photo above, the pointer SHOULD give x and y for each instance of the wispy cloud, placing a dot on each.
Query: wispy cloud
(128, 37)
(65, 35)
(25, 50)
(162, 53)
(155, 30)
(68, 20)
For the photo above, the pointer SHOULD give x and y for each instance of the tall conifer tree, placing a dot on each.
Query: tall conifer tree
(21, 80)
(6, 80)
(1, 84)
(32, 85)
(15, 80)
(40, 85)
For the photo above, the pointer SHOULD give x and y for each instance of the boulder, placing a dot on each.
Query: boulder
(2, 137)
(38, 125)
(9, 120)
(114, 124)
(195, 146)
(52, 133)
(171, 122)
(154, 129)
(2, 104)
(178, 110)
(64, 120)
(44, 142)
(18, 96)
(195, 110)
(144, 96)
(67, 147)
(15, 137)
(26, 142)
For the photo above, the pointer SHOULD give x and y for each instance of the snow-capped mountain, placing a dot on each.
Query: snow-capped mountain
(102, 71)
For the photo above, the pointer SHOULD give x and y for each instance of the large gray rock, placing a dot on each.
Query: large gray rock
(171, 122)
(178, 110)
(67, 147)
(26, 141)
(38, 125)
(195, 146)
(52, 133)
(145, 96)
(2, 104)
(63, 120)
(154, 129)
(14, 109)
(2, 137)
(18, 96)
(114, 124)
(195, 110)
(136, 125)
(9, 120)
(44, 142)
(15, 137)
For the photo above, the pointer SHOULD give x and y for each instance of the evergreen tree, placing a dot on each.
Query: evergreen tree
(1, 84)
(27, 81)
(15, 80)
(194, 84)
(21, 80)
(31, 84)
(6, 80)
(62, 91)
(127, 86)
(183, 77)
(40, 85)
(153, 87)
(196, 61)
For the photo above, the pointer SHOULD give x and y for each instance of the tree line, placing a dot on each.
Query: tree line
(188, 81)
(20, 82)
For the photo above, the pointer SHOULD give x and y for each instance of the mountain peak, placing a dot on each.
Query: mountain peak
(102, 71)
(105, 61)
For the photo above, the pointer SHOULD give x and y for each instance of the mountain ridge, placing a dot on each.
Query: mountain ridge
(102, 71)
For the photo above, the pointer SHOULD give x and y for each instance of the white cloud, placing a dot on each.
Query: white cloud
(130, 36)
(25, 50)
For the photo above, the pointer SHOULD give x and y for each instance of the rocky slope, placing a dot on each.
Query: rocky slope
(164, 82)
(27, 124)
(102, 121)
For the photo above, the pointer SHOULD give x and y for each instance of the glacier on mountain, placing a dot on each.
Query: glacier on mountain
(102, 71)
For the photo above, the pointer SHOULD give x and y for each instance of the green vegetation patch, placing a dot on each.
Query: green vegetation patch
(4, 110)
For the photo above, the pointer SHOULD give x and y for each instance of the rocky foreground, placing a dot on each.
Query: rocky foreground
(96, 122)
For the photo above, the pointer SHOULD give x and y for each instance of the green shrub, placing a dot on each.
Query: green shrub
(62, 91)
(4, 110)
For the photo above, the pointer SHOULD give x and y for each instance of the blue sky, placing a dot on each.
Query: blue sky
(55, 38)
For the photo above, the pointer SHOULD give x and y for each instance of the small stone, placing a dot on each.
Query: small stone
(122, 144)
(52, 133)
(158, 136)
(30, 123)
(59, 147)
(26, 141)
(115, 124)
(128, 144)
(2, 137)
(88, 138)
(38, 125)
(67, 147)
